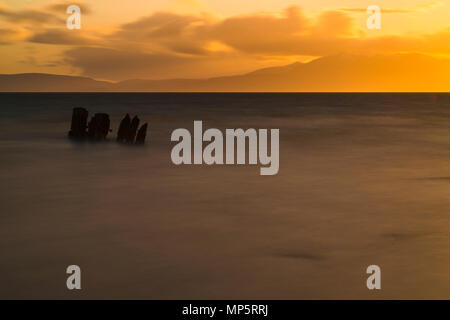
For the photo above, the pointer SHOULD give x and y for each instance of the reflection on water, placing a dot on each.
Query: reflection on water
(364, 179)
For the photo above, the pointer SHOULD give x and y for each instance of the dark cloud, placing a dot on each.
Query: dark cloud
(60, 36)
(116, 64)
(122, 64)
(173, 32)
(160, 24)
(30, 16)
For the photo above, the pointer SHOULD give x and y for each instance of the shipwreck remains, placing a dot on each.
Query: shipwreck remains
(79, 123)
(142, 132)
(124, 127)
(128, 130)
(133, 129)
(99, 126)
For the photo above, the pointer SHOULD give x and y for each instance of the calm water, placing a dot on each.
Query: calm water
(364, 179)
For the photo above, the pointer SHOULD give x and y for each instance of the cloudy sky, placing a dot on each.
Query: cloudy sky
(158, 39)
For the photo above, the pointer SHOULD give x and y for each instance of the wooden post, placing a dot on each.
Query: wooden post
(142, 133)
(124, 128)
(79, 123)
(133, 128)
(98, 127)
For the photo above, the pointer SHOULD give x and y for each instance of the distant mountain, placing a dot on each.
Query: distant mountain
(38, 82)
(350, 73)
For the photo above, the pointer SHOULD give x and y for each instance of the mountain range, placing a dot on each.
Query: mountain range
(338, 73)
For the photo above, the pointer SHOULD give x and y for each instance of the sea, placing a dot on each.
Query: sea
(364, 179)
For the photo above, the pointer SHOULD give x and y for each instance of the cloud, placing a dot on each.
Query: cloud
(61, 7)
(258, 33)
(29, 16)
(126, 63)
(8, 36)
(251, 33)
(334, 24)
(168, 44)
(54, 14)
(164, 45)
(58, 36)
(114, 64)
(162, 31)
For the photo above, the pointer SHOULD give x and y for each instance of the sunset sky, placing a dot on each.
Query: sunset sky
(161, 39)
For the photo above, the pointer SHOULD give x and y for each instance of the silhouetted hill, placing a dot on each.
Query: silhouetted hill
(402, 72)
(32, 82)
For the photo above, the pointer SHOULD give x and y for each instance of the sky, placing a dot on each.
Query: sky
(163, 39)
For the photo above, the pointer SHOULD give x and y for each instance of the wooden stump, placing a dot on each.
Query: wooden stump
(79, 123)
(98, 127)
(124, 128)
(133, 128)
(142, 133)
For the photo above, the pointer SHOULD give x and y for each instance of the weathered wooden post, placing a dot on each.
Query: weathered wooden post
(103, 125)
(98, 127)
(124, 128)
(142, 133)
(79, 123)
(133, 128)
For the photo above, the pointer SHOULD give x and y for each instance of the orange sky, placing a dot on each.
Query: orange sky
(199, 38)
